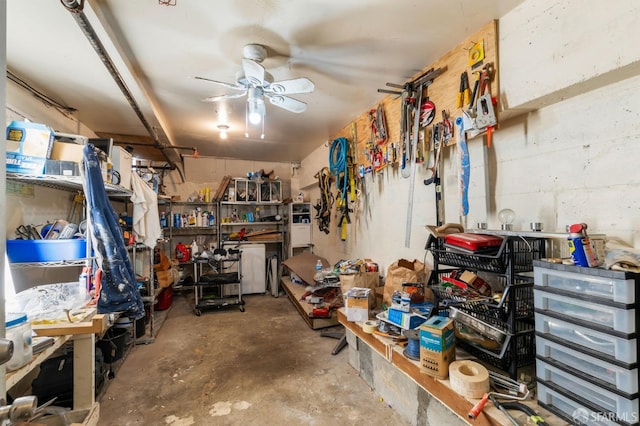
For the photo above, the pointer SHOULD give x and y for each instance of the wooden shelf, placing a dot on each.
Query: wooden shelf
(438, 388)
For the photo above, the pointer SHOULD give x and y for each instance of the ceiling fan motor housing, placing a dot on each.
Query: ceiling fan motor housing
(255, 52)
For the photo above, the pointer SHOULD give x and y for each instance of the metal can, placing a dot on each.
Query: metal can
(580, 246)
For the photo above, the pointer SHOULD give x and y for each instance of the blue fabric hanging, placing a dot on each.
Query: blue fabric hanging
(118, 287)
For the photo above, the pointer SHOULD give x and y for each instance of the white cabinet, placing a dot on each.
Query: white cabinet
(254, 267)
(299, 226)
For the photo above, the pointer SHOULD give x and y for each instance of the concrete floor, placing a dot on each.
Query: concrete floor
(263, 366)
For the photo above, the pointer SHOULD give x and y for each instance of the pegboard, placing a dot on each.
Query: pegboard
(443, 91)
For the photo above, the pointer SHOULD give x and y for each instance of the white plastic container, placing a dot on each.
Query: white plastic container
(18, 330)
(607, 400)
(570, 409)
(587, 340)
(622, 320)
(616, 377)
(615, 290)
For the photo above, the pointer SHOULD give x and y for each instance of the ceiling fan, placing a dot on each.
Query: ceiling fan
(253, 80)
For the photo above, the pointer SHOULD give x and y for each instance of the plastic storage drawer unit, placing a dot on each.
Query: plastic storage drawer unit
(622, 352)
(571, 410)
(611, 376)
(587, 313)
(564, 277)
(606, 400)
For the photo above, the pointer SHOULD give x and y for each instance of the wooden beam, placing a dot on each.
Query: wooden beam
(143, 146)
(122, 138)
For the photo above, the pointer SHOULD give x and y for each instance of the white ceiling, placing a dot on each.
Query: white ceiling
(348, 48)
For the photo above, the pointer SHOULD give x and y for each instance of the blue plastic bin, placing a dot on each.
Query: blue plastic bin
(20, 251)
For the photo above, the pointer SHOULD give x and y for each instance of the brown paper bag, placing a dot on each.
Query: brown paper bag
(400, 272)
(361, 280)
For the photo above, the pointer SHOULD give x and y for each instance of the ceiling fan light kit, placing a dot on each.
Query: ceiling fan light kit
(255, 105)
(223, 128)
(255, 82)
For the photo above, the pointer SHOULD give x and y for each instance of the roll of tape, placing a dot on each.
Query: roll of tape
(370, 326)
(468, 378)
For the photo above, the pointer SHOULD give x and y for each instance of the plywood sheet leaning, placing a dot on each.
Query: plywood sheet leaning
(222, 188)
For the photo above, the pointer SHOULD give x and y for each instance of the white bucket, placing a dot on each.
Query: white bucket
(18, 330)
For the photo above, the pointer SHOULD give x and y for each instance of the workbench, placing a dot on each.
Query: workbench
(295, 292)
(86, 410)
(379, 359)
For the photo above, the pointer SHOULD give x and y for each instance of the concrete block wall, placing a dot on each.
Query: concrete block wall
(415, 405)
(551, 50)
(564, 152)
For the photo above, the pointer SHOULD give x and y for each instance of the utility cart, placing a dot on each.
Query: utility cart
(209, 289)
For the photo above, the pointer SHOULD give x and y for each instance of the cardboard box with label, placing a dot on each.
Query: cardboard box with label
(357, 304)
(28, 147)
(437, 346)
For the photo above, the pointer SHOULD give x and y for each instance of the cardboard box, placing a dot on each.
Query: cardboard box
(405, 320)
(67, 151)
(357, 304)
(122, 163)
(437, 346)
(28, 147)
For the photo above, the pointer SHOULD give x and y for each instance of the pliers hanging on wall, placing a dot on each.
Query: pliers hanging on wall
(464, 93)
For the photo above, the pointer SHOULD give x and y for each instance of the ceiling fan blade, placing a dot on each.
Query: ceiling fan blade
(221, 97)
(287, 103)
(253, 71)
(222, 83)
(296, 85)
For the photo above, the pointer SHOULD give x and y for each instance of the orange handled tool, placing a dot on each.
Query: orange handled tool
(477, 409)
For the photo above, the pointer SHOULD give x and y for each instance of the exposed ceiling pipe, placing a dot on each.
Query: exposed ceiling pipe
(76, 9)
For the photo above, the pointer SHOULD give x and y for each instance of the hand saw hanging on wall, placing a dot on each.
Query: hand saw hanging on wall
(464, 167)
(410, 112)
